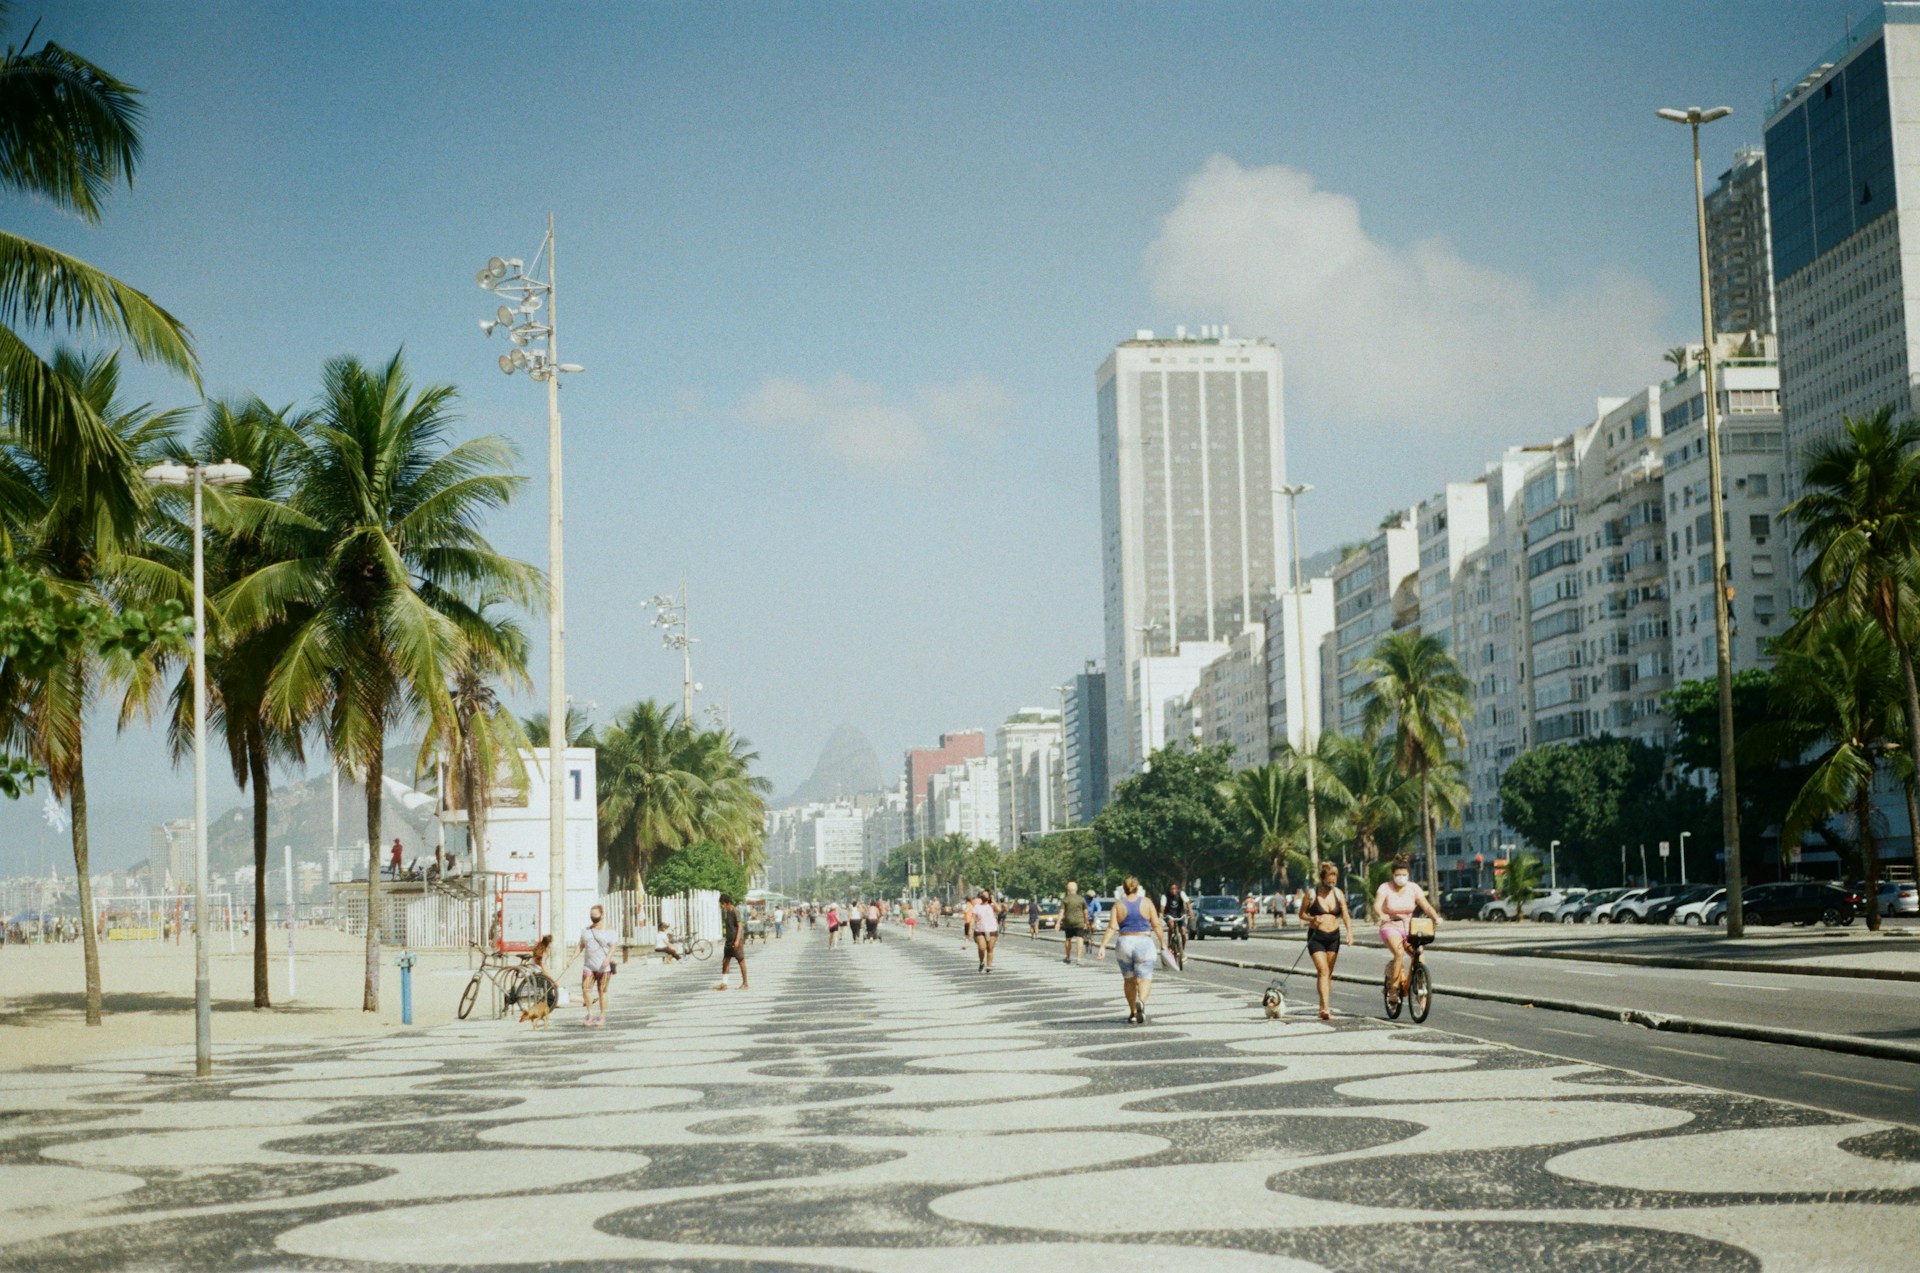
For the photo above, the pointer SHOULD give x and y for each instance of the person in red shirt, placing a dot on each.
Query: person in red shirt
(394, 866)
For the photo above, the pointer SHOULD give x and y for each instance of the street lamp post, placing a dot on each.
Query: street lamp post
(1683, 855)
(1693, 117)
(1146, 631)
(1553, 864)
(508, 278)
(671, 617)
(198, 477)
(1298, 701)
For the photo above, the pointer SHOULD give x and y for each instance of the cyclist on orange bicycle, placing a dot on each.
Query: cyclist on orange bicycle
(1395, 903)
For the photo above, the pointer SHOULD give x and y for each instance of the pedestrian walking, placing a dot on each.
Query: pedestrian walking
(1135, 922)
(779, 922)
(596, 970)
(986, 929)
(1325, 915)
(873, 921)
(833, 924)
(733, 942)
(1074, 923)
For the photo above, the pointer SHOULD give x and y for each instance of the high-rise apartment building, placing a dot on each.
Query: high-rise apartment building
(1841, 145)
(1028, 747)
(886, 825)
(1376, 590)
(1192, 445)
(1084, 745)
(1452, 525)
(1296, 627)
(1230, 699)
(1753, 471)
(964, 799)
(1740, 246)
(924, 762)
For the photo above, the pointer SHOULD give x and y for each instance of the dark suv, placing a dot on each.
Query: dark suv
(1661, 912)
(1218, 917)
(1801, 903)
(1464, 903)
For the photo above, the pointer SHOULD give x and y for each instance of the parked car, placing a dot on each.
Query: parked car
(1694, 911)
(1219, 916)
(1497, 910)
(1464, 903)
(1544, 905)
(1639, 910)
(1802, 903)
(1660, 910)
(1897, 897)
(1583, 910)
(1610, 912)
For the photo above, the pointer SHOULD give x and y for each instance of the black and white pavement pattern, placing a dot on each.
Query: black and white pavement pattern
(887, 1107)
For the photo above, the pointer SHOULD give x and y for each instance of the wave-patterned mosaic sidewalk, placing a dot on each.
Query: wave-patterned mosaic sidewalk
(887, 1107)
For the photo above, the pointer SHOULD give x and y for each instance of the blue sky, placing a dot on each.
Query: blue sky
(841, 275)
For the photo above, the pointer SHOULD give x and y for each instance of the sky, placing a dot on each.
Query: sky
(840, 276)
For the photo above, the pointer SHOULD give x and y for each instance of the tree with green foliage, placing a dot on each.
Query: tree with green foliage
(1593, 796)
(1764, 785)
(1268, 804)
(1859, 521)
(1520, 882)
(1366, 796)
(1420, 699)
(702, 864)
(1169, 823)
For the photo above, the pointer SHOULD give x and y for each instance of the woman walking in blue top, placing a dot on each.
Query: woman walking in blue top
(1136, 922)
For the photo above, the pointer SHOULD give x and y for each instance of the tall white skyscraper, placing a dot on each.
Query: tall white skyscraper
(1192, 445)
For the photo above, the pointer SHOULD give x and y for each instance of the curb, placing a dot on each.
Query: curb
(1847, 1043)
(1702, 964)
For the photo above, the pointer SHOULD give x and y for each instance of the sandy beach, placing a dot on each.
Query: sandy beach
(147, 990)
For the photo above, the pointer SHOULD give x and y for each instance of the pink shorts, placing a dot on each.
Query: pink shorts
(1398, 926)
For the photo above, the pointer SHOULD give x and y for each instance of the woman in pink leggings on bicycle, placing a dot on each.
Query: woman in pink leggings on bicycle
(1395, 902)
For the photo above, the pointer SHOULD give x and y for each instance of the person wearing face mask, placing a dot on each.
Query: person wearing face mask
(1395, 903)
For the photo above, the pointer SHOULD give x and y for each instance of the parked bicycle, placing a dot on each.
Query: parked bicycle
(515, 979)
(1415, 989)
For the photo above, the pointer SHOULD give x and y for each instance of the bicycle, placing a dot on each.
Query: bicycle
(1416, 988)
(1177, 941)
(514, 980)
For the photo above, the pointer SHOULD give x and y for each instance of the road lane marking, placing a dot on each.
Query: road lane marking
(1710, 1056)
(1841, 1078)
(1477, 1016)
(1572, 1034)
(1583, 972)
(1745, 985)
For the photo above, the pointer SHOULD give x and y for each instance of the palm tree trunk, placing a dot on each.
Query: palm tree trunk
(89, 937)
(1869, 851)
(1905, 652)
(376, 779)
(476, 820)
(1426, 835)
(257, 767)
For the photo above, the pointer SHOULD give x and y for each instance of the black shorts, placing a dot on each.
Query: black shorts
(1329, 942)
(1074, 932)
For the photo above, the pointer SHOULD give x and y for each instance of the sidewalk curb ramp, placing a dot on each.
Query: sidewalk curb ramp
(1883, 1050)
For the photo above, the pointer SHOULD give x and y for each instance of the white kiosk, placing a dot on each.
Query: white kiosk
(517, 839)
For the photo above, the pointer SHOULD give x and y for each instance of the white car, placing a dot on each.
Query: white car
(1545, 906)
(1695, 913)
(1604, 914)
(1498, 909)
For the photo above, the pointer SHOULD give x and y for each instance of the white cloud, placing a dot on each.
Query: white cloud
(1416, 344)
(857, 422)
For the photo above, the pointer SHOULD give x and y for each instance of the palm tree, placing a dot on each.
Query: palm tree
(1520, 882)
(383, 574)
(61, 527)
(239, 663)
(1419, 691)
(481, 736)
(1860, 521)
(1365, 793)
(1270, 800)
(69, 133)
(732, 805)
(649, 800)
(1680, 356)
(1837, 687)
(580, 728)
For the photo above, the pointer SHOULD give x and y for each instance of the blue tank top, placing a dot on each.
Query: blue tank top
(1131, 920)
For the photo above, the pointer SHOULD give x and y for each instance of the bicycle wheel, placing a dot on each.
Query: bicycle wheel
(512, 981)
(469, 996)
(700, 948)
(1390, 995)
(1419, 994)
(537, 987)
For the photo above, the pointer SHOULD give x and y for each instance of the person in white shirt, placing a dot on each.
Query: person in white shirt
(596, 947)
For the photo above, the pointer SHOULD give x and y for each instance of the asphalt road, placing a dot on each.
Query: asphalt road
(1864, 1087)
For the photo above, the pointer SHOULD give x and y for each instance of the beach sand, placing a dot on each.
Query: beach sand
(147, 990)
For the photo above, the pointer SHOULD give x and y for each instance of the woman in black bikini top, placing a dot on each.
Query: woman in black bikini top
(1326, 913)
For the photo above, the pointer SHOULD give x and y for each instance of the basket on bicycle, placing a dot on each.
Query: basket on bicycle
(1419, 930)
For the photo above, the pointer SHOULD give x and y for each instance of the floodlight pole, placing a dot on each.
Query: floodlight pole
(556, 621)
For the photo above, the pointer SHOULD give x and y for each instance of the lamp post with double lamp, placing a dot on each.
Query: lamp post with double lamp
(1293, 494)
(671, 617)
(1693, 117)
(198, 477)
(510, 279)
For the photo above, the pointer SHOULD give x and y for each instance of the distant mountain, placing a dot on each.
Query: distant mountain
(301, 814)
(847, 767)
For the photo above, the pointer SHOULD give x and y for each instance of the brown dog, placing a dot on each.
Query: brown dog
(537, 1012)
